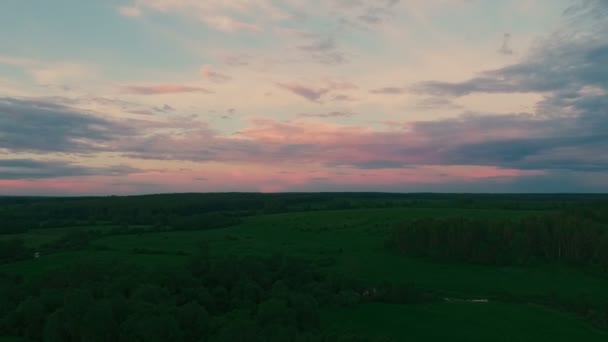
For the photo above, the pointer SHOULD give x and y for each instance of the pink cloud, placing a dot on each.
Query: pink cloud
(270, 178)
(163, 89)
(255, 177)
(214, 76)
(56, 186)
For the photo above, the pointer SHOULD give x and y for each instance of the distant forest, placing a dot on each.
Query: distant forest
(19, 214)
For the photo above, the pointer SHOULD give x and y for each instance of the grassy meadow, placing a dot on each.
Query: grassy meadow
(352, 242)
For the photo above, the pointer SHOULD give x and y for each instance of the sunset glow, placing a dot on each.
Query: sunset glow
(148, 96)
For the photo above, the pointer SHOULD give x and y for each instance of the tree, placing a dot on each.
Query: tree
(152, 327)
(76, 304)
(54, 328)
(99, 323)
(193, 321)
(31, 315)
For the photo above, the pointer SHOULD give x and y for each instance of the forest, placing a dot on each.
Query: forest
(303, 266)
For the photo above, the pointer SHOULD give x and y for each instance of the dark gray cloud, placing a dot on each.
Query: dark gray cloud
(11, 169)
(566, 61)
(568, 130)
(309, 93)
(582, 153)
(551, 182)
(31, 125)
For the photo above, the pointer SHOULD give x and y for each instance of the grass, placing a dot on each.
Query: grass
(37, 237)
(354, 240)
(454, 322)
(54, 261)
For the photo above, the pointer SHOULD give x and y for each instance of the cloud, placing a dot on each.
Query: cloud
(12, 169)
(214, 76)
(227, 24)
(17, 61)
(62, 73)
(264, 8)
(513, 141)
(521, 141)
(237, 59)
(307, 92)
(506, 49)
(165, 108)
(563, 63)
(567, 132)
(377, 14)
(436, 103)
(30, 125)
(376, 164)
(310, 46)
(563, 136)
(129, 11)
(364, 14)
(296, 33)
(389, 91)
(316, 93)
(334, 114)
(163, 89)
(343, 97)
(324, 50)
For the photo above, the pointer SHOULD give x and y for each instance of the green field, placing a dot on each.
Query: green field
(360, 235)
(351, 242)
(37, 237)
(461, 322)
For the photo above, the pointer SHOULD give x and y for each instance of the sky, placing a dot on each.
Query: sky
(120, 97)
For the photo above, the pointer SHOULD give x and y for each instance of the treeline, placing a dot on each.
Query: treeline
(558, 238)
(269, 299)
(543, 238)
(20, 214)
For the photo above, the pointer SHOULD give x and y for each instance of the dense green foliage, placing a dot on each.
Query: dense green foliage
(547, 238)
(271, 299)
